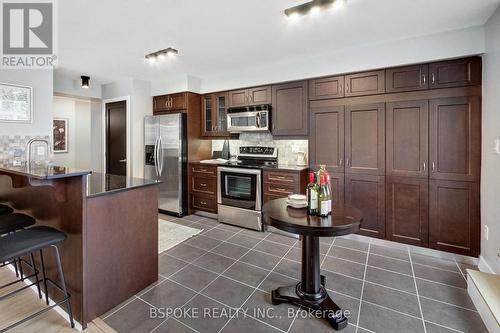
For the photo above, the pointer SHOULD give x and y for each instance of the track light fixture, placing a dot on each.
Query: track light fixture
(159, 55)
(312, 7)
(85, 81)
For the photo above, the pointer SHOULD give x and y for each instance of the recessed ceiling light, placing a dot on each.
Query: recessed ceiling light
(312, 7)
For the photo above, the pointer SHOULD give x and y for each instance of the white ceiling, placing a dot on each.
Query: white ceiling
(108, 39)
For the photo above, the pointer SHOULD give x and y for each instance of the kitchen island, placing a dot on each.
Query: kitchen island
(111, 252)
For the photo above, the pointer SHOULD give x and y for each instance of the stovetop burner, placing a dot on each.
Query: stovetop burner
(257, 157)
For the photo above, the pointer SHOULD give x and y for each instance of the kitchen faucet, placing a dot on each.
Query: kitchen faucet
(29, 145)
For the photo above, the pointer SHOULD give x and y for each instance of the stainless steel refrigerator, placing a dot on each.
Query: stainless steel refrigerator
(166, 160)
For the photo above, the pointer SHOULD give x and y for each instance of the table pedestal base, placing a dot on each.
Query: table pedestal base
(320, 303)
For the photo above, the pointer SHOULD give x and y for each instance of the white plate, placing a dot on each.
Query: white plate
(297, 198)
(296, 205)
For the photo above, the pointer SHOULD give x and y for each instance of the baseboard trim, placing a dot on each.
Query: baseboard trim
(484, 266)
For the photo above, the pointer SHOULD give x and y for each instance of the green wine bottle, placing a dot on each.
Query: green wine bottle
(312, 195)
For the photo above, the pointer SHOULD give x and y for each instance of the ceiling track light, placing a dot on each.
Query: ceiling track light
(85, 81)
(311, 7)
(161, 54)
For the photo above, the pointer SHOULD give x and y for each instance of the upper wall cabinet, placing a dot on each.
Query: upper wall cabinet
(367, 83)
(407, 132)
(325, 88)
(326, 138)
(455, 138)
(214, 120)
(365, 139)
(249, 97)
(289, 112)
(408, 78)
(172, 102)
(455, 73)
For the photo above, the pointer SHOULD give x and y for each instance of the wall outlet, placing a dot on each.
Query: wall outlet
(496, 146)
(486, 232)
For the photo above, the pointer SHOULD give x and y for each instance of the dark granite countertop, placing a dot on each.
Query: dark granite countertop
(102, 183)
(43, 172)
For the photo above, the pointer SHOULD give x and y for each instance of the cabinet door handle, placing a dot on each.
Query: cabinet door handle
(433, 78)
(280, 189)
(340, 89)
(348, 163)
(204, 203)
(340, 162)
(203, 185)
(424, 79)
(166, 103)
(423, 165)
(347, 87)
(433, 167)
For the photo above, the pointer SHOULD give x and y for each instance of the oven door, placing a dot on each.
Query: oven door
(239, 187)
(248, 121)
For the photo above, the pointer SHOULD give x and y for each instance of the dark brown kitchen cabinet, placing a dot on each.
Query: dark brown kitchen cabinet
(407, 210)
(407, 132)
(455, 73)
(326, 88)
(365, 139)
(203, 187)
(326, 138)
(407, 78)
(290, 111)
(214, 111)
(366, 83)
(367, 193)
(337, 184)
(249, 97)
(455, 138)
(279, 183)
(171, 102)
(454, 220)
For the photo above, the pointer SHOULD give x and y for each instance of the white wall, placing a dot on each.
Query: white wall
(141, 104)
(78, 113)
(41, 81)
(451, 44)
(490, 177)
(72, 85)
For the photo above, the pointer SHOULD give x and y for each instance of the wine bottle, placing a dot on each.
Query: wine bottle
(324, 198)
(312, 195)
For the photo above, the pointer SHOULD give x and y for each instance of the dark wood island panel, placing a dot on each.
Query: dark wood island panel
(111, 250)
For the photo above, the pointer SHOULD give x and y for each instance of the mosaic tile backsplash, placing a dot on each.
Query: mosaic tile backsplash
(13, 148)
(287, 149)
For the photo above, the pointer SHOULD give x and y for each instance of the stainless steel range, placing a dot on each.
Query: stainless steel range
(239, 187)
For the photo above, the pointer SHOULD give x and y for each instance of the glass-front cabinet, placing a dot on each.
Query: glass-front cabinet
(214, 118)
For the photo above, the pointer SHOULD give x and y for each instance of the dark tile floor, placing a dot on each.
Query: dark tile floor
(231, 272)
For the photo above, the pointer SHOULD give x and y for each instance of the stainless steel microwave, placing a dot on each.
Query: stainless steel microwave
(249, 119)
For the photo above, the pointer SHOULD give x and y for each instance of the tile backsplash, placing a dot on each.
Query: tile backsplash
(287, 149)
(13, 148)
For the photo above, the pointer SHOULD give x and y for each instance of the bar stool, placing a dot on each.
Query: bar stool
(26, 242)
(11, 222)
(4, 209)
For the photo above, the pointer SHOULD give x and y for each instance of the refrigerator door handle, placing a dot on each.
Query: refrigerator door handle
(160, 153)
(156, 157)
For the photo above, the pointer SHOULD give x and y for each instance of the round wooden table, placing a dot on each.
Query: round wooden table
(310, 292)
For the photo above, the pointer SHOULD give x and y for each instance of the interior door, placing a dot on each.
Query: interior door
(455, 138)
(407, 132)
(170, 156)
(365, 139)
(116, 138)
(326, 142)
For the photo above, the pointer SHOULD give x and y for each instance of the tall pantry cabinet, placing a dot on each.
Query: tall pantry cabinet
(408, 154)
